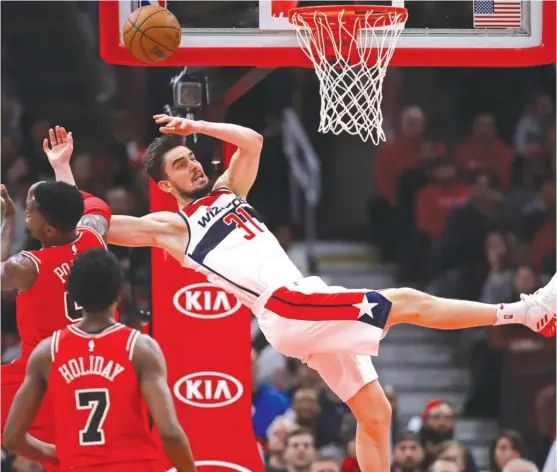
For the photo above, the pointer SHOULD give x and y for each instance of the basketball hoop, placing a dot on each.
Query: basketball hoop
(350, 48)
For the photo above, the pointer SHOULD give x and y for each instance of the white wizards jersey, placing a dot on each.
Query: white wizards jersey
(232, 247)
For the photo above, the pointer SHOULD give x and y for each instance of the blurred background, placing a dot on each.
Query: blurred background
(460, 202)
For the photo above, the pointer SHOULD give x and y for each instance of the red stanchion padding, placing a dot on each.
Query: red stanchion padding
(205, 336)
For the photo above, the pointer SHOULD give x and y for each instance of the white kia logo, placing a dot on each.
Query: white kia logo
(205, 301)
(208, 389)
(219, 464)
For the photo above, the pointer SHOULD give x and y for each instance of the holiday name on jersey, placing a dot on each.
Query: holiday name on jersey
(95, 365)
(214, 211)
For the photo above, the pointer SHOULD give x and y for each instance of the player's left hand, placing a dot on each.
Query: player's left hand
(8, 208)
(61, 146)
(175, 125)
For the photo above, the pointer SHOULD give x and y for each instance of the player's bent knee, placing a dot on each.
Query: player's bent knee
(371, 408)
(408, 304)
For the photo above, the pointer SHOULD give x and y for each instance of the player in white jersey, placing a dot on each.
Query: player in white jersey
(332, 329)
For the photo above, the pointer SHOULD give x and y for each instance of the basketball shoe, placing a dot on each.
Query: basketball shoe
(542, 309)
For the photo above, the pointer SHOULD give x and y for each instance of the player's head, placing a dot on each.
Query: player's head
(175, 169)
(95, 281)
(53, 210)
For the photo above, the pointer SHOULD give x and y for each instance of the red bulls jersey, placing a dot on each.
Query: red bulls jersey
(100, 416)
(46, 307)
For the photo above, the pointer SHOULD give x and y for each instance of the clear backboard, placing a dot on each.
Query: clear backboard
(258, 33)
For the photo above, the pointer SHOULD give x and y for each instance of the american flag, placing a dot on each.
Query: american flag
(497, 13)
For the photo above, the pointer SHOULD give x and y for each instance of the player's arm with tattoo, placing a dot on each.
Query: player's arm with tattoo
(25, 406)
(242, 171)
(150, 367)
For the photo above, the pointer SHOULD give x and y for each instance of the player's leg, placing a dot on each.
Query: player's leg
(312, 300)
(537, 311)
(353, 379)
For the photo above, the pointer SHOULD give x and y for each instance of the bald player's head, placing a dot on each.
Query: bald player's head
(520, 465)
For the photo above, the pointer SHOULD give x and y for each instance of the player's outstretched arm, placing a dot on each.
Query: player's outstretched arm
(150, 367)
(96, 214)
(25, 406)
(149, 230)
(242, 171)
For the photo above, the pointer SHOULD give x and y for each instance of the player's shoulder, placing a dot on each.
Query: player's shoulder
(146, 352)
(170, 218)
(22, 269)
(89, 237)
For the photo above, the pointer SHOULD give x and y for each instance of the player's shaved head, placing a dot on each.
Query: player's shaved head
(59, 203)
(95, 280)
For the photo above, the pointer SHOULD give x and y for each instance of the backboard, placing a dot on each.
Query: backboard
(257, 33)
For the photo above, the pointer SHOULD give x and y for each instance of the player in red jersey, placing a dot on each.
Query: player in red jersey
(101, 374)
(66, 222)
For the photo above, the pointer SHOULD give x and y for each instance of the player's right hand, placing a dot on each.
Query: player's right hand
(8, 208)
(61, 146)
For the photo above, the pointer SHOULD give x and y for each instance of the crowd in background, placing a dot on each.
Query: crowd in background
(477, 212)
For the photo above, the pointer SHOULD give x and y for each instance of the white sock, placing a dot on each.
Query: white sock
(511, 313)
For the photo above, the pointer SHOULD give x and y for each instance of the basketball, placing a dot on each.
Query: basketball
(152, 34)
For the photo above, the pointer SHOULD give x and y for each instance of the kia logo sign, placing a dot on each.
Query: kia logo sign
(218, 464)
(205, 301)
(208, 389)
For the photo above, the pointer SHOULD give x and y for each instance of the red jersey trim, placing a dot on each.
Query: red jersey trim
(32, 256)
(130, 345)
(207, 200)
(95, 232)
(82, 334)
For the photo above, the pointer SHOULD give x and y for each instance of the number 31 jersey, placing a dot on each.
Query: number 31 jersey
(233, 248)
(45, 307)
(100, 416)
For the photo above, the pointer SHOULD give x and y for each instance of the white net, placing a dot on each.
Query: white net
(350, 54)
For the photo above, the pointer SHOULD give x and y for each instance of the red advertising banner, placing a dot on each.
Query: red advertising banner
(205, 336)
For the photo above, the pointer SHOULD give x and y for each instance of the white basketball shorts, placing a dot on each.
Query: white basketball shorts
(335, 332)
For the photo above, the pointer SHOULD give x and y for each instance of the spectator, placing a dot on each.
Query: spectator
(276, 443)
(438, 424)
(332, 414)
(267, 402)
(507, 445)
(535, 120)
(408, 454)
(520, 465)
(435, 200)
(443, 466)
(413, 248)
(454, 451)
(325, 464)
(299, 453)
(485, 150)
(390, 161)
(498, 285)
(457, 259)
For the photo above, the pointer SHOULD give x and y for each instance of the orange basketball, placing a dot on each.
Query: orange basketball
(152, 34)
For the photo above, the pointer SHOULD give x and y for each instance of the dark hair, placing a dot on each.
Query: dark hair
(299, 432)
(154, 155)
(60, 204)
(517, 444)
(95, 280)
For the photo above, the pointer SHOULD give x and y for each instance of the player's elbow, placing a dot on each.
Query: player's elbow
(172, 434)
